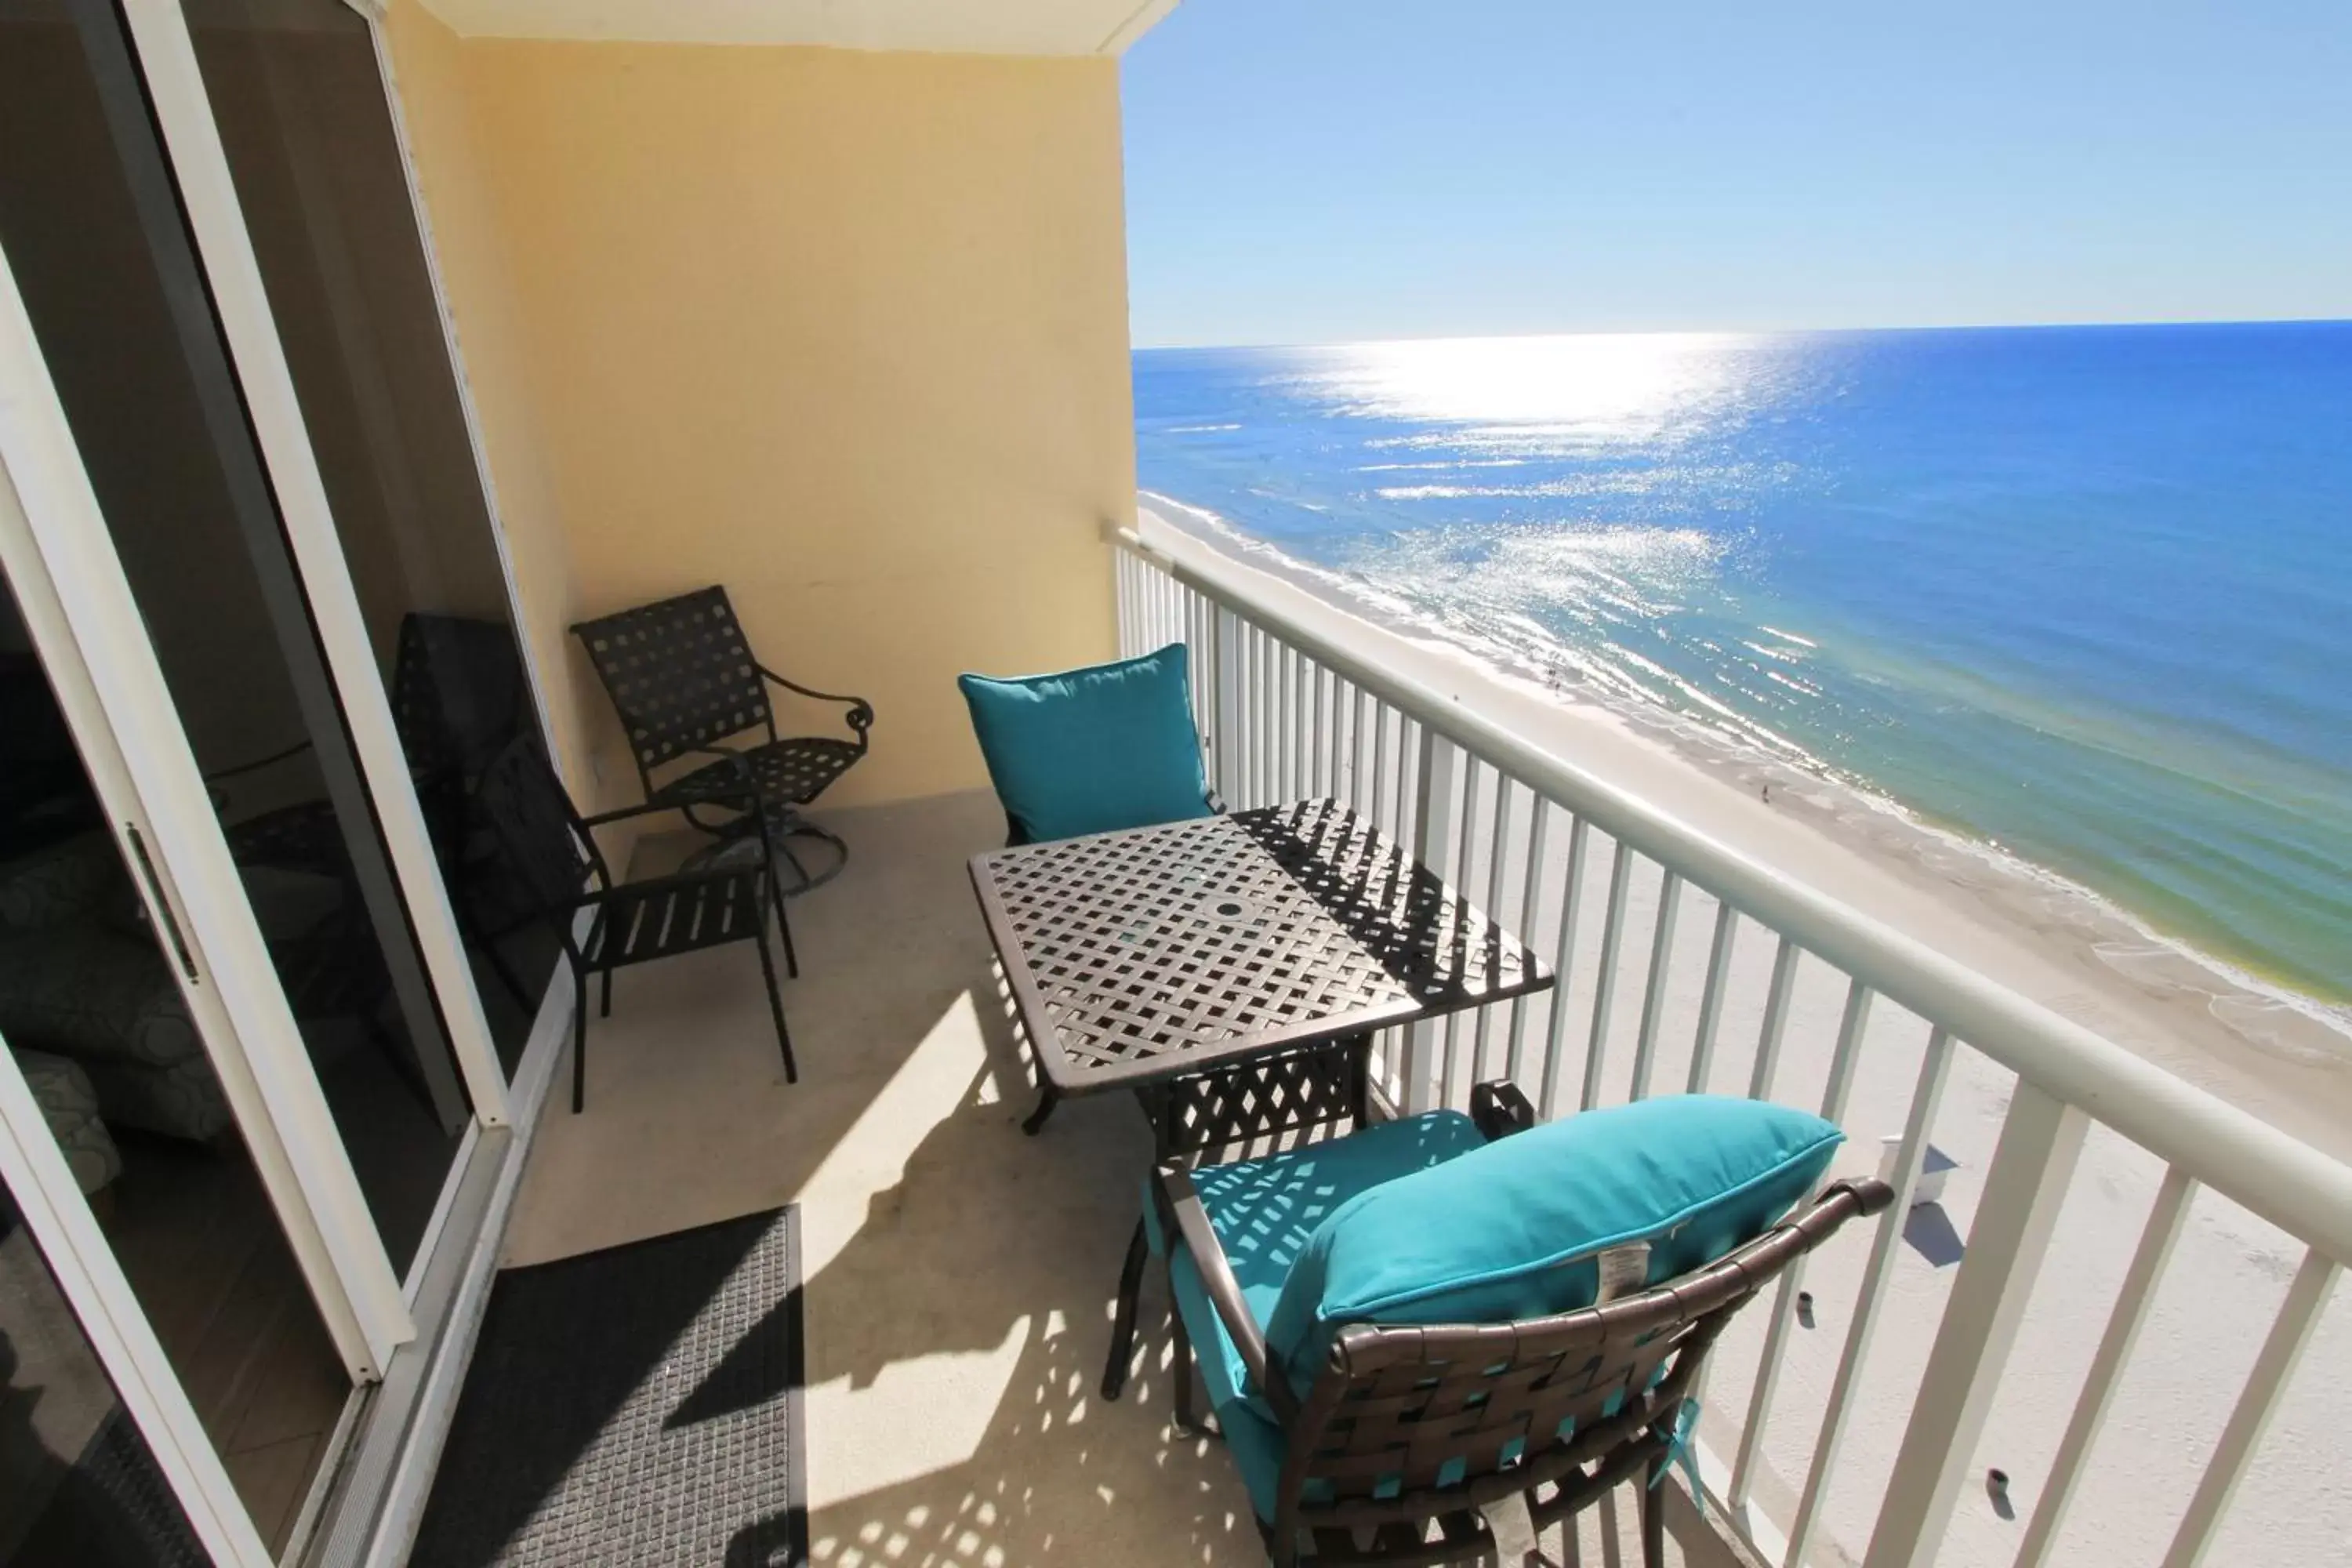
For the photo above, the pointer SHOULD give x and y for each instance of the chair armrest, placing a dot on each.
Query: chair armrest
(1871, 1195)
(861, 712)
(1183, 1217)
(741, 793)
(1500, 1108)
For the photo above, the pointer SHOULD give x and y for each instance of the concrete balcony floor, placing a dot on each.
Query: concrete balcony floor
(959, 1274)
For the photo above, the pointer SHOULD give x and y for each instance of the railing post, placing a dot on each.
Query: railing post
(1123, 576)
(2163, 1230)
(2281, 1351)
(2041, 1141)
(1225, 712)
(1433, 846)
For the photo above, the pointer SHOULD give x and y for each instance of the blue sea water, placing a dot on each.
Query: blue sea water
(2083, 592)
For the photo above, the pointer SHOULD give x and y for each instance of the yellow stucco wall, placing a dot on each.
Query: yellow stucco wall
(845, 332)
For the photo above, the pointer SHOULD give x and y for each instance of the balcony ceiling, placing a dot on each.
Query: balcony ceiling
(940, 26)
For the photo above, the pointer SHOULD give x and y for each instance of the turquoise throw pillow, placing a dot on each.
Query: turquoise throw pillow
(1514, 1229)
(1093, 750)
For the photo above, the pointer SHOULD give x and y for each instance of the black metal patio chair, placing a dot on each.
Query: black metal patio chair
(682, 677)
(552, 849)
(1408, 1431)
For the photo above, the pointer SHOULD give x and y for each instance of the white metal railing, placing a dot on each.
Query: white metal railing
(1589, 871)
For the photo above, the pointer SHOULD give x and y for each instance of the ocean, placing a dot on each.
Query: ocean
(2079, 593)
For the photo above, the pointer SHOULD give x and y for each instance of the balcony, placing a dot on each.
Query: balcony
(958, 1276)
(2113, 1254)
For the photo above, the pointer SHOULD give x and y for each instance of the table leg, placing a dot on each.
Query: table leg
(1122, 1323)
(1046, 1100)
(1337, 1087)
(1187, 1417)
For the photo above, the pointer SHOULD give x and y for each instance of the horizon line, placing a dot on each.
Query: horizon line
(1760, 331)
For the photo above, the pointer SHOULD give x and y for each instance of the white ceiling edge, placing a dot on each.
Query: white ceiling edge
(1048, 27)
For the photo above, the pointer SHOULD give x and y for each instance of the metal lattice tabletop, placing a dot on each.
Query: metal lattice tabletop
(1142, 955)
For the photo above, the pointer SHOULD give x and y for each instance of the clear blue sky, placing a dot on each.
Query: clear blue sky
(1312, 171)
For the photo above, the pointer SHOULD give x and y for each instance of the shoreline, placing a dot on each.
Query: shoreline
(2281, 1054)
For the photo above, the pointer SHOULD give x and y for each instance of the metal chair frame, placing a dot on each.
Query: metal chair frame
(1410, 1426)
(682, 677)
(632, 921)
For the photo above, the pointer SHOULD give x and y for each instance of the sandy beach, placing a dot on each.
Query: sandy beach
(2290, 1064)
(2287, 1060)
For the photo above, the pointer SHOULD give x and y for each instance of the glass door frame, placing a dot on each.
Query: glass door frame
(175, 86)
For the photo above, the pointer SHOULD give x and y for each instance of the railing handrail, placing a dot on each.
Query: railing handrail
(2274, 1174)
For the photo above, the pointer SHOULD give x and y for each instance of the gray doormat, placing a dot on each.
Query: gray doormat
(637, 1405)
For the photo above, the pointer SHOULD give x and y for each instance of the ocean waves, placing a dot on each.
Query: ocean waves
(2078, 595)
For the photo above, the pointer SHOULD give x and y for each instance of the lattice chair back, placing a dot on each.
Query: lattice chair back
(456, 693)
(680, 674)
(1410, 1424)
(545, 846)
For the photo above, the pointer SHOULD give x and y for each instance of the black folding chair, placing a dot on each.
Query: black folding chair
(551, 849)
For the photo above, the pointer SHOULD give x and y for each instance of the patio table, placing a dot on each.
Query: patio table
(1230, 971)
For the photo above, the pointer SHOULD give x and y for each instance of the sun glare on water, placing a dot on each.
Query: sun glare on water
(1599, 387)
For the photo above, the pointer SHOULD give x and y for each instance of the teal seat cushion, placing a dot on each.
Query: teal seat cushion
(1514, 1229)
(1093, 750)
(1258, 1448)
(1263, 1212)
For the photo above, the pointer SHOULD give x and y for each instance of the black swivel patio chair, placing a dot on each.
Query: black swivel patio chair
(551, 849)
(683, 679)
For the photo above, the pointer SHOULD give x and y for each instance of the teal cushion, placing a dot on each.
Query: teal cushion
(1089, 751)
(1265, 1210)
(1513, 1229)
(1257, 1445)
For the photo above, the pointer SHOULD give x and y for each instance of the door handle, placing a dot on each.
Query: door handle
(161, 905)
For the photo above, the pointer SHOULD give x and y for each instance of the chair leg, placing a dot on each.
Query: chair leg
(1188, 1415)
(1035, 1121)
(1122, 1322)
(1653, 1512)
(783, 925)
(775, 1004)
(801, 827)
(579, 1040)
(799, 871)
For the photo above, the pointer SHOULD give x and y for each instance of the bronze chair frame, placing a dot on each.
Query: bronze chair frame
(1400, 1405)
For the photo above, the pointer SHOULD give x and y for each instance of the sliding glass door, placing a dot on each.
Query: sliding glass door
(297, 91)
(111, 282)
(263, 987)
(105, 1019)
(166, 1107)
